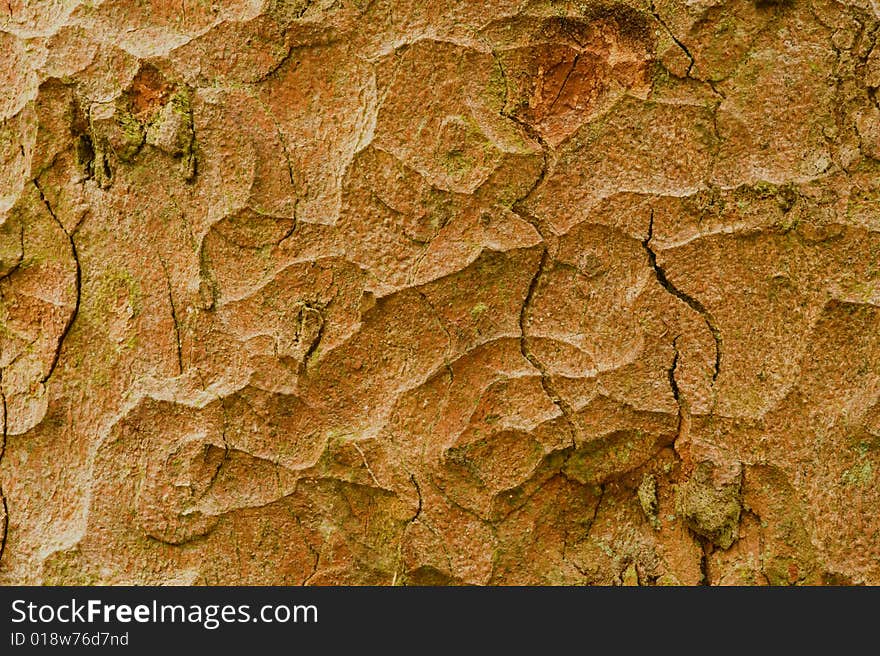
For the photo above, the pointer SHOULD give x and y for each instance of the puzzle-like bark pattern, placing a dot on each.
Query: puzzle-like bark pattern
(444, 292)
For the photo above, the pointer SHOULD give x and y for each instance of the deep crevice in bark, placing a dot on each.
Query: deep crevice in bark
(78, 282)
(690, 301)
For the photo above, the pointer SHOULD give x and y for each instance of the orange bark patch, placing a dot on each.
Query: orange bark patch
(149, 91)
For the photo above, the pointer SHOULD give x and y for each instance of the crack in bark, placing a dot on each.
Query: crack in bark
(546, 380)
(415, 482)
(574, 64)
(73, 315)
(565, 559)
(704, 565)
(277, 67)
(712, 84)
(4, 529)
(398, 570)
(20, 257)
(585, 573)
(173, 315)
(449, 341)
(313, 347)
(684, 416)
(189, 161)
(546, 162)
(283, 141)
(314, 571)
(676, 391)
(675, 39)
(596, 511)
(690, 301)
(5, 423)
(546, 234)
(670, 373)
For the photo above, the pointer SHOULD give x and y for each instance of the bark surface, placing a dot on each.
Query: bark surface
(440, 292)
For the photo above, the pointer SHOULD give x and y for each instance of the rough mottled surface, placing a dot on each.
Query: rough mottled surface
(444, 292)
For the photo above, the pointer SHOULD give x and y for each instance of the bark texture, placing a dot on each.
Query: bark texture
(440, 292)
